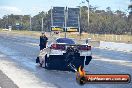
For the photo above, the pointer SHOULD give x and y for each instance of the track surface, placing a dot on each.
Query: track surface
(21, 51)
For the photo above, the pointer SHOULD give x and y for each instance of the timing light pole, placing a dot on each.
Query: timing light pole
(51, 14)
(88, 12)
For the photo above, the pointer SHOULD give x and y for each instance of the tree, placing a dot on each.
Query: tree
(101, 21)
(130, 16)
(37, 21)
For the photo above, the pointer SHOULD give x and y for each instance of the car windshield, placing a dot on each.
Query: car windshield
(65, 40)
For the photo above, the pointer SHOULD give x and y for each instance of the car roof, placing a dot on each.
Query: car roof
(65, 40)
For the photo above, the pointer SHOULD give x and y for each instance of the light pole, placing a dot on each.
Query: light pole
(7, 21)
(42, 21)
(79, 26)
(80, 13)
(30, 23)
(42, 25)
(79, 19)
(51, 15)
(66, 13)
(21, 19)
(88, 12)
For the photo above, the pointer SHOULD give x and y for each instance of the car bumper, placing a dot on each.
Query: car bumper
(58, 62)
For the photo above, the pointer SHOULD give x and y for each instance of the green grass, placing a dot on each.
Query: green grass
(98, 37)
(103, 37)
(23, 32)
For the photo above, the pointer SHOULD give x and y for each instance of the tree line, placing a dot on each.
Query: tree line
(101, 21)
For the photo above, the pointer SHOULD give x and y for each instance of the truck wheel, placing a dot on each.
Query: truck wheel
(82, 80)
(88, 59)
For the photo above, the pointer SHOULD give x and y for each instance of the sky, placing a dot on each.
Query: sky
(33, 7)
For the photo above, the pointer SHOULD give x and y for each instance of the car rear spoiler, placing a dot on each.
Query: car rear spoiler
(93, 43)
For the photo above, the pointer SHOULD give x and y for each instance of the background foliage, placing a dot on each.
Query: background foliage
(101, 21)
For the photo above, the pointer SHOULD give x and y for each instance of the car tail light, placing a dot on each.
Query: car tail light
(84, 47)
(58, 46)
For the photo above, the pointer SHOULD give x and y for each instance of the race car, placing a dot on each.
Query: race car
(64, 54)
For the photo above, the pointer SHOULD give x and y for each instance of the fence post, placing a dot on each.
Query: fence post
(116, 37)
(105, 37)
(120, 37)
(97, 36)
(130, 38)
(93, 36)
(112, 37)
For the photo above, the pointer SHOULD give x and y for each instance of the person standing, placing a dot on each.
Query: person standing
(43, 41)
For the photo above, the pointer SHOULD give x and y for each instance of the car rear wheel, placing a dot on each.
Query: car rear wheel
(45, 64)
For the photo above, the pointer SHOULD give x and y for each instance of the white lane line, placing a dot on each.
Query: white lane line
(119, 62)
(33, 44)
(2, 55)
(22, 78)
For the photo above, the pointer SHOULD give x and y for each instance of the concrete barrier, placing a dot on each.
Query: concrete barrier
(116, 46)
